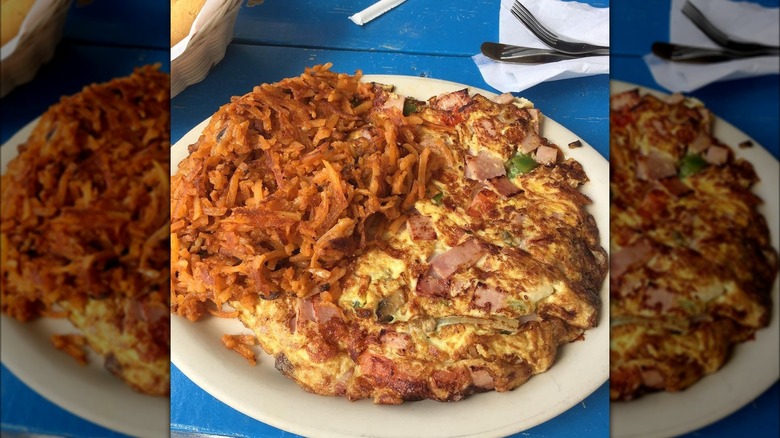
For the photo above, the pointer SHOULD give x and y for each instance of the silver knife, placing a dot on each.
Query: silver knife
(530, 55)
(703, 55)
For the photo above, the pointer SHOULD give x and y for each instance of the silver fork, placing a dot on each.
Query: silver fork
(681, 53)
(550, 38)
(527, 55)
(718, 36)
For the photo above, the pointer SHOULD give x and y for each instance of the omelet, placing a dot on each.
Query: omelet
(489, 263)
(692, 266)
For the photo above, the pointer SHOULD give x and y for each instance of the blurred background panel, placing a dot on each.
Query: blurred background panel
(101, 40)
(751, 105)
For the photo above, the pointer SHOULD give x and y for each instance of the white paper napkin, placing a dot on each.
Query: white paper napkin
(743, 21)
(570, 20)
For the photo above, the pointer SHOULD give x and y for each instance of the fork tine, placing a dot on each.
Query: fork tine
(524, 15)
(718, 36)
(695, 15)
(549, 37)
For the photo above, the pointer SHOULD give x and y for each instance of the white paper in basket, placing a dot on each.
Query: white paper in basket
(40, 11)
(206, 14)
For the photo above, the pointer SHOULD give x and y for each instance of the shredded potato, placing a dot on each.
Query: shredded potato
(241, 344)
(73, 345)
(286, 185)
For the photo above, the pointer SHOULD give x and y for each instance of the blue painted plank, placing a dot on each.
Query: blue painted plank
(141, 23)
(416, 26)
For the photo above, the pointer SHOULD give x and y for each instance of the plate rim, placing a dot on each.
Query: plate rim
(621, 428)
(178, 356)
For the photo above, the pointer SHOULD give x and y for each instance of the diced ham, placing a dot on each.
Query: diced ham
(420, 227)
(655, 165)
(535, 116)
(675, 186)
(293, 323)
(546, 155)
(636, 253)
(624, 100)
(504, 98)
(530, 142)
(395, 101)
(504, 186)
(375, 366)
(700, 143)
(459, 286)
(464, 255)
(483, 202)
(674, 99)
(396, 341)
(325, 311)
(451, 101)
(485, 295)
(431, 286)
(659, 127)
(706, 118)
(154, 311)
(652, 378)
(484, 166)
(305, 313)
(662, 296)
(482, 379)
(528, 318)
(488, 126)
(716, 155)
(132, 313)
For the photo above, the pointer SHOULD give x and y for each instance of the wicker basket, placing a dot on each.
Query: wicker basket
(204, 49)
(35, 46)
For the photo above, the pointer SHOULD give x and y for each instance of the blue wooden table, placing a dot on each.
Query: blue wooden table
(749, 104)
(102, 40)
(419, 38)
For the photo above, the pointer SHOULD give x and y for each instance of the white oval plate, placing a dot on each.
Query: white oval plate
(263, 393)
(89, 391)
(754, 365)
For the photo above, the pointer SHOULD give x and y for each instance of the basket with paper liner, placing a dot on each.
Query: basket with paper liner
(210, 29)
(30, 32)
